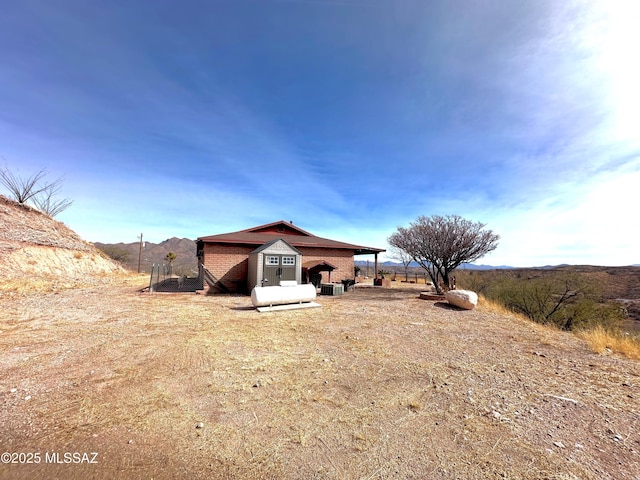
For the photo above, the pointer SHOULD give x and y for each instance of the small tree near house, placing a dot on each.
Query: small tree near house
(441, 244)
(403, 257)
(170, 257)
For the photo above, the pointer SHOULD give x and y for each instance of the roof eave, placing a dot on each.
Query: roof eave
(368, 251)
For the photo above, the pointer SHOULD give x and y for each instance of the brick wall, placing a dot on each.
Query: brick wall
(342, 259)
(230, 263)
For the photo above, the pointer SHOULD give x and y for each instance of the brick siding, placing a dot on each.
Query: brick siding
(341, 259)
(230, 263)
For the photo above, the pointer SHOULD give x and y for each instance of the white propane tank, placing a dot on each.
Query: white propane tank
(267, 296)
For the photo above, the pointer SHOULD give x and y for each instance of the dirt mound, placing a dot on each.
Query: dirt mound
(33, 243)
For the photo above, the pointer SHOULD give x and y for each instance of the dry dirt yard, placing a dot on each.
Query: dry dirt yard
(375, 384)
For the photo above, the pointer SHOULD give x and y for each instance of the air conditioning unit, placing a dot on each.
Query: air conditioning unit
(331, 289)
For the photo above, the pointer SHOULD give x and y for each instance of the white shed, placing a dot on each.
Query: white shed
(272, 263)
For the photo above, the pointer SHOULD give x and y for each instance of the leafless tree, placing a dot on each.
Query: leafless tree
(41, 193)
(403, 257)
(22, 189)
(441, 244)
(45, 201)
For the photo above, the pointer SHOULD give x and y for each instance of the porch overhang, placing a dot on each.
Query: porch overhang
(319, 266)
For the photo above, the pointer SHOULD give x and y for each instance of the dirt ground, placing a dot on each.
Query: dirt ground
(102, 381)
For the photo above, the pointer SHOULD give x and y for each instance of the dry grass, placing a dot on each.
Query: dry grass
(25, 285)
(498, 308)
(600, 339)
(29, 285)
(375, 384)
(604, 341)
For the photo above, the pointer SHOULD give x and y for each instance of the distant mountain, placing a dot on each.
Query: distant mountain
(471, 266)
(398, 265)
(184, 248)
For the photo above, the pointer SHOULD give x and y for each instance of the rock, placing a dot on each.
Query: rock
(200, 425)
(465, 299)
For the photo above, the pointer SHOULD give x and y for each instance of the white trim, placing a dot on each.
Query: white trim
(271, 260)
(289, 260)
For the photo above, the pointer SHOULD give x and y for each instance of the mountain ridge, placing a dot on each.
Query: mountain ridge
(154, 253)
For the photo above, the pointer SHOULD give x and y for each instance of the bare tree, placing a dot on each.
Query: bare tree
(441, 244)
(22, 189)
(41, 193)
(45, 202)
(403, 257)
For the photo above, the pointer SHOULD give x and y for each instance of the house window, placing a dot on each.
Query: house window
(288, 260)
(272, 260)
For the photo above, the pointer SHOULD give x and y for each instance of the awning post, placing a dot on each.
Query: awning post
(376, 264)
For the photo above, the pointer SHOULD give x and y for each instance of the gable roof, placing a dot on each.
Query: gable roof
(266, 246)
(281, 227)
(294, 236)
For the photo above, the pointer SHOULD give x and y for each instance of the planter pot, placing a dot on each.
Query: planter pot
(432, 296)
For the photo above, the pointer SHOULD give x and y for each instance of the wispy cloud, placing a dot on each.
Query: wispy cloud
(348, 117)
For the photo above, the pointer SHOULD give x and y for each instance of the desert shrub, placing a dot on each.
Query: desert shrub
(587, 314)
(479, 282)
(36, 190)
(567, 301)
(117, 253)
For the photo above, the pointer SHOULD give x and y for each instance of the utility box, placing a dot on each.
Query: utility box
(331, 289)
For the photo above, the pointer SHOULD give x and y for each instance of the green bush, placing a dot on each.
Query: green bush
(117, 253)
(569, 301)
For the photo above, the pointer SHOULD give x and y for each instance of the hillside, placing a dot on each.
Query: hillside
(184, 248)
(32, 244)
(619, 284)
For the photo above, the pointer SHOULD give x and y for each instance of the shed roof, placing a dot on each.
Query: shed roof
(294, 236)
(267, 245)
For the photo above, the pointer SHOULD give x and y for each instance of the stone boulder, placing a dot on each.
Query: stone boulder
(462, 298)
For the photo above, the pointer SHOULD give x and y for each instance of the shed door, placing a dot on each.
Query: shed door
(279, 267)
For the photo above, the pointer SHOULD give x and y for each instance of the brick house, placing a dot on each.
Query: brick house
(224, 259)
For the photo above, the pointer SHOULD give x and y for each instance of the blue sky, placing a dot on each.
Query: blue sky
(349, 117)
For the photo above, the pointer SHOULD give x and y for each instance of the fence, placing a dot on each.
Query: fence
(396, 276)
(409, 278)
(163, 280)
